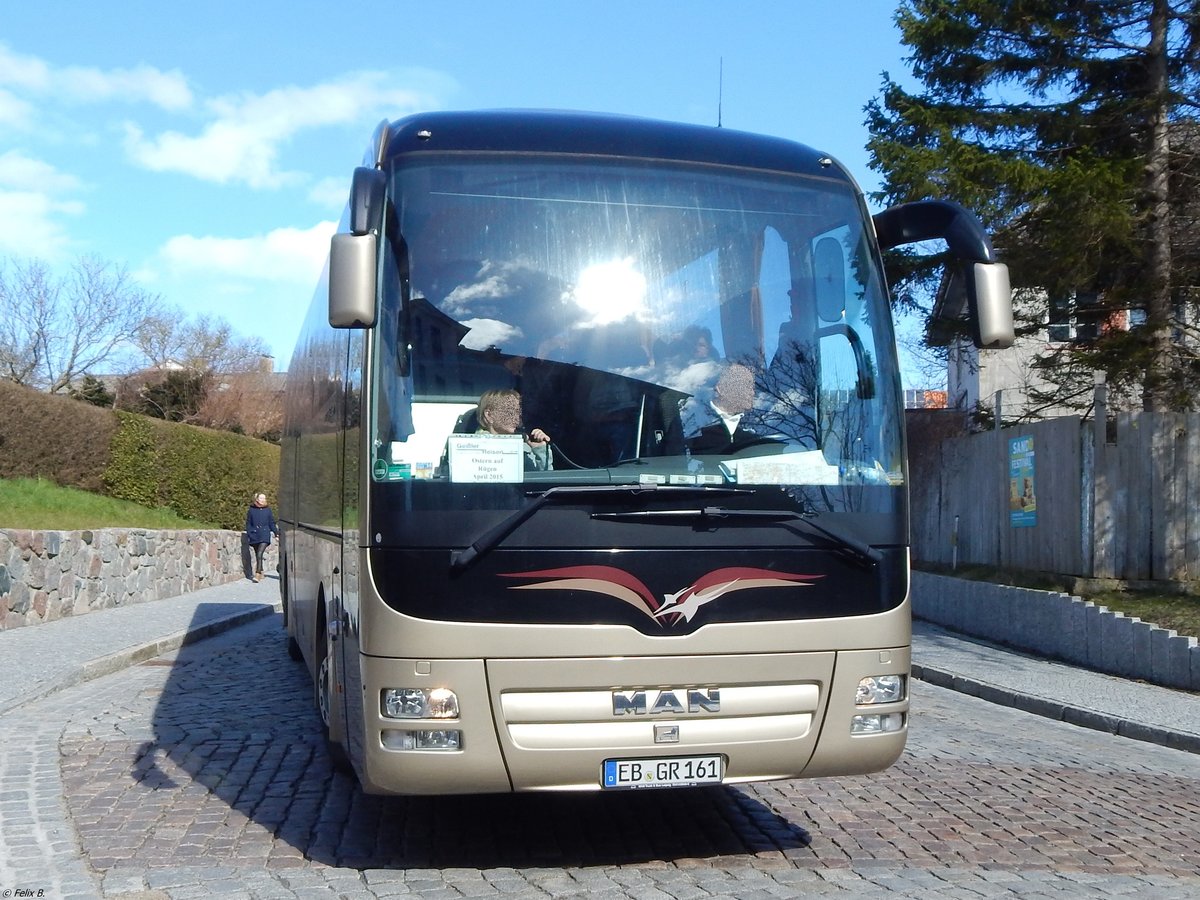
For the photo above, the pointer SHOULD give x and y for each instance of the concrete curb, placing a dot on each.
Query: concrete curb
(1057, 710)
(138, 653)
(131, 656)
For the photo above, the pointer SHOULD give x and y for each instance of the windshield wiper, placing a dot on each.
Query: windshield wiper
(460, 559)
(863, 552)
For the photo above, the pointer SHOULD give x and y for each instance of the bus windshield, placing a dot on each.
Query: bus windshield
(561, 319)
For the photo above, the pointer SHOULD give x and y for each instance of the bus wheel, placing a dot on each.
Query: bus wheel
(337, 753)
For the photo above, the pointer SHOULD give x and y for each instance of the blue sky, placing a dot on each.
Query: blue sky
(208, 146)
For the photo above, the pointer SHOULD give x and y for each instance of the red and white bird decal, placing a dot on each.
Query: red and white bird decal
(681, 605)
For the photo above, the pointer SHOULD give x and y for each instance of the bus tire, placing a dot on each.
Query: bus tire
(337, 753)
(293, 646)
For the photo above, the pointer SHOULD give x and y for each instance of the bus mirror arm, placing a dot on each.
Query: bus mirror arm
(367, 192)
(981, 280)
(928, 220)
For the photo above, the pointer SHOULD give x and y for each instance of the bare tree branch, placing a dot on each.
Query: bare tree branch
(54, 330)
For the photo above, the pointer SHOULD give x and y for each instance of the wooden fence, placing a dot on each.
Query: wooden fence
(1128, 509)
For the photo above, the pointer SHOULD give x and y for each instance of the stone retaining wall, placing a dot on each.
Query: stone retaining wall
(47, 575)
(1059, 626)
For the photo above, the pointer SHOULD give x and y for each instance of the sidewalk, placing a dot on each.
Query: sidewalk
(38, 660)
(41, 659)
(1133, 709)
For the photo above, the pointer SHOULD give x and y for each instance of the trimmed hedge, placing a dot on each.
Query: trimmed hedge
(130, 473)
(206, 475)
(53, 437)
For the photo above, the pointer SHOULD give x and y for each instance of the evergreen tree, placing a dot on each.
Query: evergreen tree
(92, 390)
(176, 398)
(1068, 125)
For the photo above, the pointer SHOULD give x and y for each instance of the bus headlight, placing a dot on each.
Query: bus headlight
(874, 723)
(879, 689)
(419, 703)
(873, 690)
(441, 739)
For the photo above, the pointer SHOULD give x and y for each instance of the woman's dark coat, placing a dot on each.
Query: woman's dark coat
(260, 525)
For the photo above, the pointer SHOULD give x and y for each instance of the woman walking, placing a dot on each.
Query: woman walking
(260, 525)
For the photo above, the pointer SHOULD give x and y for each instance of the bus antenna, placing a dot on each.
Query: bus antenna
(720, 88)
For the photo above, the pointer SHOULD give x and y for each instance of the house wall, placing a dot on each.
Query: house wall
(974, 376)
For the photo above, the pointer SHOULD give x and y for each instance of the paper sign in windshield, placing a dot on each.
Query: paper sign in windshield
(804, 467)
(479, 458)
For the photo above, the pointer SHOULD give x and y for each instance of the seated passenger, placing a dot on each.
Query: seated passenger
(694, 345)
(499, 412)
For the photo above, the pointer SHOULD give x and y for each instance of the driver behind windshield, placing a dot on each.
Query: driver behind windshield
(725, 423)
(499, 412)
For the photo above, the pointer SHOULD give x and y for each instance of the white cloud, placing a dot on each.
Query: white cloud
(486, 333)
(260, 285)
(20, 171)
(225, 152)
(243, 142)
(330, 193)
(23, 71)
(493, 287)
(31, 215)
(24, 74)
(30, 225)
(289, 255)
(14, 112)
(166, 90)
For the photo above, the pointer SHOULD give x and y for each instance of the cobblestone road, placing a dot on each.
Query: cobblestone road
(199, 775)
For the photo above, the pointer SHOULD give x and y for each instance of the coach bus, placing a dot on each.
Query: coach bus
(594, 467)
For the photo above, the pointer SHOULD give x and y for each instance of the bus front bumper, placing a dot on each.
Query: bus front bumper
(553, 724)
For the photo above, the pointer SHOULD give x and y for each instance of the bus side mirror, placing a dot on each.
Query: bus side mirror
(990, 299)
(977, 294)
(352, 257)
(978, 282)
(352, 281)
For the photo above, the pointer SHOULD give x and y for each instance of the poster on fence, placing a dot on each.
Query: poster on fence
(1022, 499)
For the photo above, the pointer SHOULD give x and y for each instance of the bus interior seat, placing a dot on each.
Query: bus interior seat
(467, 423)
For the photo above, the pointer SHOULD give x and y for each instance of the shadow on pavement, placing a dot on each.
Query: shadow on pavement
(247, 557)
(238, 766)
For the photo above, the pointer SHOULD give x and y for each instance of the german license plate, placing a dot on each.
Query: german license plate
(663, 771)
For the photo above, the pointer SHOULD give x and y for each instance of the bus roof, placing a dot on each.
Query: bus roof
(548, 131)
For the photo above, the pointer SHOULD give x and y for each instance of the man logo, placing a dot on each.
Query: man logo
(653, 703)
